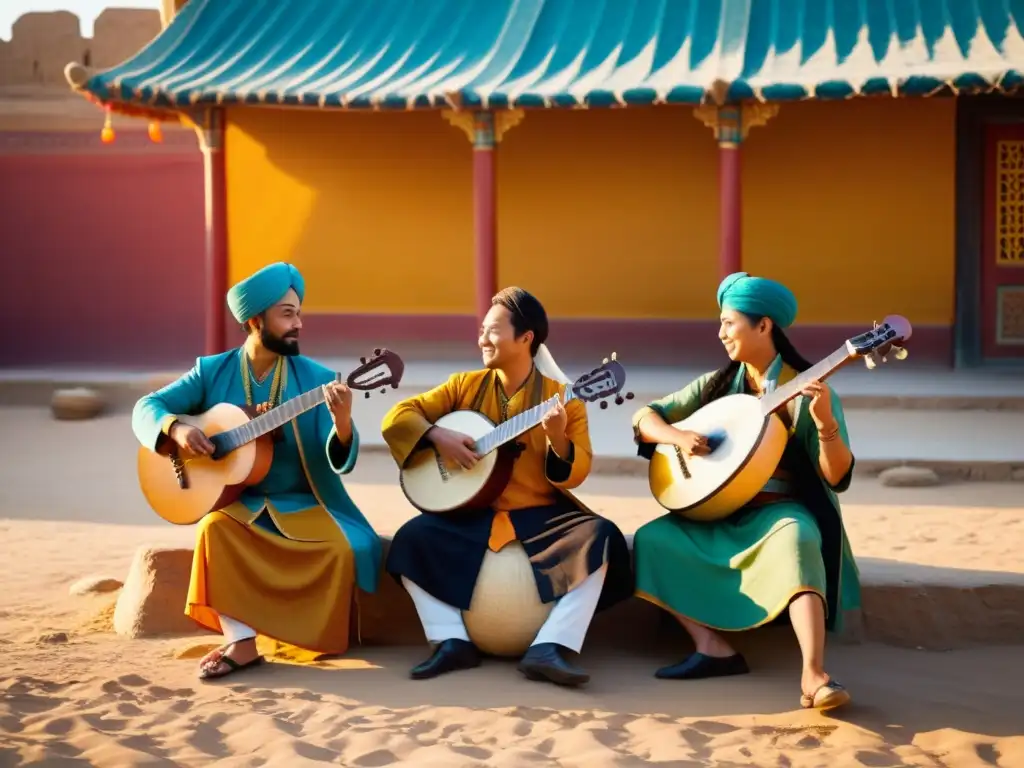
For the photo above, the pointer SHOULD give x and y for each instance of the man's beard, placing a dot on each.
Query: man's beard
(279, 345)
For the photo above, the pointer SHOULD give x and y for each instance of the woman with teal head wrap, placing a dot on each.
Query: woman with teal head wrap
(746, 303)
(785, 555)
(758, 297)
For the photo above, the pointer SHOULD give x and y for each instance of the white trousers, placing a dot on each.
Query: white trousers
(566, 625)
(234, 630)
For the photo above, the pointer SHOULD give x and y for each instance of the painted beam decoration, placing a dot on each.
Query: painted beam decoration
(500, 54)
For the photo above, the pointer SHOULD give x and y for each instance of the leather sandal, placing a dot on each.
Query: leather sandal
(232, 666)
(829, 695)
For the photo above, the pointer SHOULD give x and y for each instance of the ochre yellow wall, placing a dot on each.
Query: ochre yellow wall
(375, 209)
(359, 201)
(624, 201)
(851, 204)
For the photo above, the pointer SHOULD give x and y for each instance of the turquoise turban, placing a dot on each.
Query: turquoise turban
(758, 296)
(259, 292)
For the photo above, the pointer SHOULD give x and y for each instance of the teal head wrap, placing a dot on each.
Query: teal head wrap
(259, 292)
(758, 296)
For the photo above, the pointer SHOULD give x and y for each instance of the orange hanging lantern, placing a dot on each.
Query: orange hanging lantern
(107, 135)
(156, 134)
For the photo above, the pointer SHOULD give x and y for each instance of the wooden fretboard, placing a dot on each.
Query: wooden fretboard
(820, 371)
(518, 424)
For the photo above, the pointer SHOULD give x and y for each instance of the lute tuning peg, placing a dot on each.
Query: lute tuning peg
(900, 353)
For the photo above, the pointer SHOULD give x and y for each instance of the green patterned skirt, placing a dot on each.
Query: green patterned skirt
(733, 574)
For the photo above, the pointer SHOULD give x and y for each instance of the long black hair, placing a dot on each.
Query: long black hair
(720, 381)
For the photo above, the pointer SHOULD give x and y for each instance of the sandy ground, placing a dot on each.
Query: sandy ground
(70, 507)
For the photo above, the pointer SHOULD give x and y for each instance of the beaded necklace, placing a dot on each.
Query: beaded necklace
(275, 385)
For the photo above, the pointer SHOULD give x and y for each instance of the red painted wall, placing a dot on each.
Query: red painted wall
(101, 251)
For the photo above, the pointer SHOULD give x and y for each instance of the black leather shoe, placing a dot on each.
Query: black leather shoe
(697, 666)
(545, 662)
(449, 656)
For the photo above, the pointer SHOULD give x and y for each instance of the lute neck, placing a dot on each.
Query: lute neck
(267, 422)
(518, 424)
(773, 401)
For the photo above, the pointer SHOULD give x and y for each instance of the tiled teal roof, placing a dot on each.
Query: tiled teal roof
(360, 54)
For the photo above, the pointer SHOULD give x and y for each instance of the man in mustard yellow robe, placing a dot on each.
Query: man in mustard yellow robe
(285, 559)
(580, 560)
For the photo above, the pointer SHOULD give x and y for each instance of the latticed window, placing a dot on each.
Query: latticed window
(1009, 202)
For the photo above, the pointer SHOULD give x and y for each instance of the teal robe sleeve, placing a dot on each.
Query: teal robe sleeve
(341, 457)
(809, 437)
(671, 408)
(179, 398)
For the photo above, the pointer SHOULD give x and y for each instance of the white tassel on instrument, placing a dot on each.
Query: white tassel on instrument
(548, 367)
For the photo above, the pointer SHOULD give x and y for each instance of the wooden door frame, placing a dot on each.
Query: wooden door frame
(996, 275)
(974, 113)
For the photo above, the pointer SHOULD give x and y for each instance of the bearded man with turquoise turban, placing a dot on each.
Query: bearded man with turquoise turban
(786, 552)
(285, 559)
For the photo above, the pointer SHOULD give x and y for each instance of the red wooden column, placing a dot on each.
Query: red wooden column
(485, 129)
(731, 124)
(485, 210)
(210, 130)
(730, 191)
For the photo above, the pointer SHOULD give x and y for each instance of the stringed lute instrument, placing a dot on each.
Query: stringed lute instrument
(183, 491)
(747, 438)
(432, 486)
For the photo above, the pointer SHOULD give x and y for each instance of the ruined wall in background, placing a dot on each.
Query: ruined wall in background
(103, 241)
(42, 44)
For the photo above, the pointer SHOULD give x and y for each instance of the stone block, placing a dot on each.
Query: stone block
(152, 602)
(76, 404)
(937, 609)
(908, 477)
(903, 604)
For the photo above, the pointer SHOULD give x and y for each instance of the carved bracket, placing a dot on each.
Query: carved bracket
(732, 123)
(485, 128)
(209, 127)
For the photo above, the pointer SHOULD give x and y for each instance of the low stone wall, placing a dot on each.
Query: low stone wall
(905, 605)
(122, 392)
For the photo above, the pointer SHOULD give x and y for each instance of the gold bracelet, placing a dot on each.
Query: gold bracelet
(829, 437)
